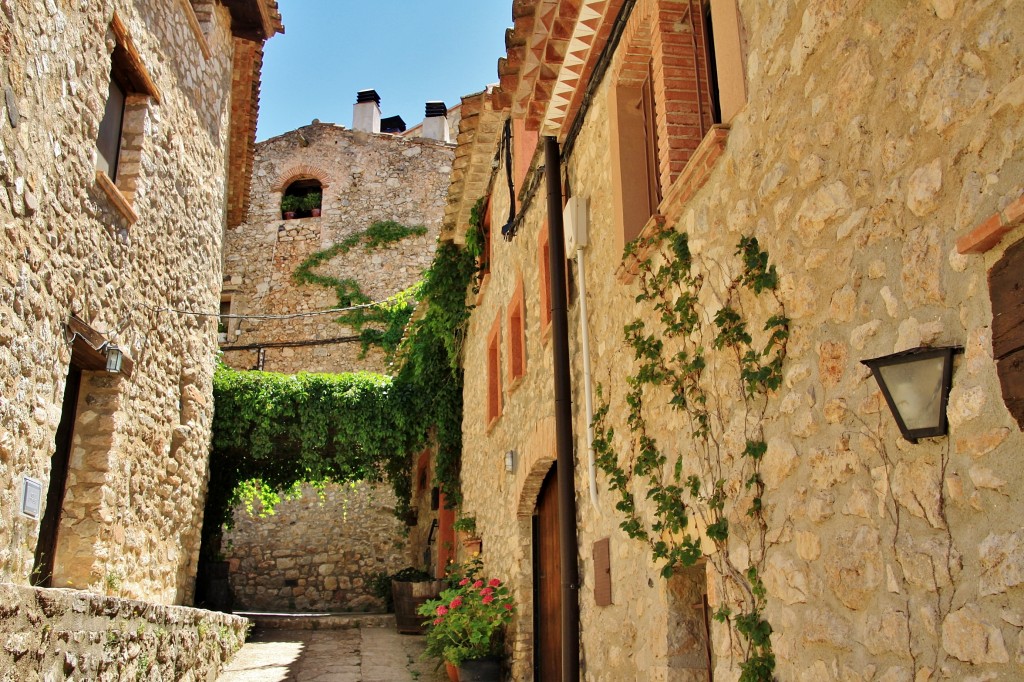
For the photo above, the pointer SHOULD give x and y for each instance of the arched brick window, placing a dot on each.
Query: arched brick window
(1006, 287)
(302, 199)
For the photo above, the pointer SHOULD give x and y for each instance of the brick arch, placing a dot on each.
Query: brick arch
(537, 458)
(301, 172)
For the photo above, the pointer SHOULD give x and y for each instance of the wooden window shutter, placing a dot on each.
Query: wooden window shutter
(1006, 287)
(602, 573)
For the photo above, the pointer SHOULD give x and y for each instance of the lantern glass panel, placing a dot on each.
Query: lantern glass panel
(916, 390)
(114, 359)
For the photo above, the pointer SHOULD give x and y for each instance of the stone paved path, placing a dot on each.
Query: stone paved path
(366, 654)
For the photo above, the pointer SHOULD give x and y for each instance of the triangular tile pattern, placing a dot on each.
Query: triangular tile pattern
(578, 61)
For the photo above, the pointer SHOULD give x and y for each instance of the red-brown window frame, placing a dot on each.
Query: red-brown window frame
(544, 268)
(493, 360)
(516, 336)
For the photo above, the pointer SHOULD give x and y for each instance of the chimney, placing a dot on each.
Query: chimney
(435, 125)
(366, 112)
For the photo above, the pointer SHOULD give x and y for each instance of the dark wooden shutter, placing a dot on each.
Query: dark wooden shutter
(1006, 287)
(602, 573)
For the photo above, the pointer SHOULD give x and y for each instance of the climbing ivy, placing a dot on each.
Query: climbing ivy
(475, 238)
(380, 325)
(703, 342)
(284, 429)
(430, 357)
(273, 432)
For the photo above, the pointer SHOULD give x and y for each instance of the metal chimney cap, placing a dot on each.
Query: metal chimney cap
(367, 96)
(392, 124)
(436, 108)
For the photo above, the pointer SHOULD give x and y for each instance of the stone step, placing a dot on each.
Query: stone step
(319, 621)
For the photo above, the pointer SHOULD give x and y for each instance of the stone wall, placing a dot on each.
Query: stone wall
(366, 178)
(875, 134)
(316, 553)
(65, 634)
(319, 555)
(118, 258)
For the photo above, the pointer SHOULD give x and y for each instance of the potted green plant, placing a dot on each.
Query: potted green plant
(465, 526)
(311, 202)
(466, 624)
(410, 588)
(290, 205)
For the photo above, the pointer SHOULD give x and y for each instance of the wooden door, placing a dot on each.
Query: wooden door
(46, 546)
(1006, 287)
(547, 584)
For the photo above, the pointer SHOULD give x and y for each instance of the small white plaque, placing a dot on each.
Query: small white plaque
(31, 498)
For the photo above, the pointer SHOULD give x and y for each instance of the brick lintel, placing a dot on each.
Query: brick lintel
(991, 231)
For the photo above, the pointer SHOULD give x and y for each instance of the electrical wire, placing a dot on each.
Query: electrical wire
(289, 316)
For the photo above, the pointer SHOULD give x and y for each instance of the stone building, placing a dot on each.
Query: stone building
(320, 553)
(876, 153)
(363, 176)
(118, 123)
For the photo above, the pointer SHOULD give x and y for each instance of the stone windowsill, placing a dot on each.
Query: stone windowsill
(119, 200)
(515, 382)
(492, 422)
(303, 219)
(686, 185)
(630, 266)
(195, 27)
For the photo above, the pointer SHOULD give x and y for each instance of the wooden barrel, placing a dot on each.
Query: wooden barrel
(408, 598)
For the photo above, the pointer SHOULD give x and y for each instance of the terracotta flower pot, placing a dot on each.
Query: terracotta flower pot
(453, 671)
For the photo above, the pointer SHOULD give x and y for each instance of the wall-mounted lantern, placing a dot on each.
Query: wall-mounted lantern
(916, 386)
(115, 357)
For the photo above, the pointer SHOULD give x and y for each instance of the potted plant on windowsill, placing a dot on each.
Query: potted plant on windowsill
(466, 625)
(290, 205)
(311, 203)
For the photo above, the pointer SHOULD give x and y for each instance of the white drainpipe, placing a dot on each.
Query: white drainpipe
(575, 220)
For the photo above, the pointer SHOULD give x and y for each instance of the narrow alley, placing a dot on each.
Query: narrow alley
(327, 648)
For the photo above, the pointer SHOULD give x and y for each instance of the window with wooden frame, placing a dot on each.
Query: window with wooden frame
(677, 75)
(120, 139)
(199, 15)
(544, 268)
(516, 337)
(494, 372)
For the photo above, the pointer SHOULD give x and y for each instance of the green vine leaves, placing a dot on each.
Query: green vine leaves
(715, 368)
(272, 432)
(381, 325)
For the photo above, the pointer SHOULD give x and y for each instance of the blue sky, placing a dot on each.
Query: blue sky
(409, 51)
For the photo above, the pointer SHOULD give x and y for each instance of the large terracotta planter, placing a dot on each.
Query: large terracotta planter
(408, 598)
(480, 670)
